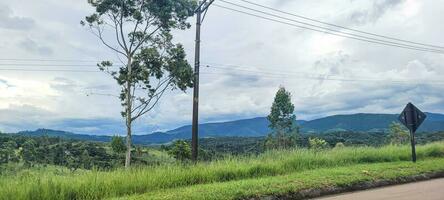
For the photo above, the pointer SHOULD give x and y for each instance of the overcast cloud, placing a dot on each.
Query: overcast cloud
(308, 61)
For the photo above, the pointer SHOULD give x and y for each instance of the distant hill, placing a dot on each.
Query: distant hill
(65, 135)
(256, 127)
(368, 122)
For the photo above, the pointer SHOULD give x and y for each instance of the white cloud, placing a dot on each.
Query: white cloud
(10, 21)
(308, 60)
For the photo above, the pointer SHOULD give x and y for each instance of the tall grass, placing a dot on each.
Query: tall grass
(98, 185)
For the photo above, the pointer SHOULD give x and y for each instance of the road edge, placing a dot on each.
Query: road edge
(321, 192)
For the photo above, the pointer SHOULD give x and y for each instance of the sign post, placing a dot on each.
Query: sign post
(412, 118)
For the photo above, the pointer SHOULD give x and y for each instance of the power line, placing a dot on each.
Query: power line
(279, 75)
(338, 26)
(242, 69)
(50, 65)
(101, 94)
(49, 60)
(329, 29)
(262, 74)
(332, 33)
(328, 79)
(45, 65)
(47, 70)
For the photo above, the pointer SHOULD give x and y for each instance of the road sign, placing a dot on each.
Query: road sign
(412, 118)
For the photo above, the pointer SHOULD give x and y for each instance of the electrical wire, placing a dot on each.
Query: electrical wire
(328, 29)
(47, 70)
(338, 26)
(332, 33)
(284, 75)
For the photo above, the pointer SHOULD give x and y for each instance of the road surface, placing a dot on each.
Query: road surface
(425, 190)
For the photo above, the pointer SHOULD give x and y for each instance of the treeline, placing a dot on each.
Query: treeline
(219, 147)
(55, 151)
(73, 154)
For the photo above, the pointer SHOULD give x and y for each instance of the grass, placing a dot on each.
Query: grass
(296, 182)
(99, 185)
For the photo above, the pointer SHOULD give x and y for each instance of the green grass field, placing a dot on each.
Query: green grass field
(295, 182)
(233, 177)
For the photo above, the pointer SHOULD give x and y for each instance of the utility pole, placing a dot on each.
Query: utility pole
(201, 9)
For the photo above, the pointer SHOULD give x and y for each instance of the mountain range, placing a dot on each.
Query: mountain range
(257, 127)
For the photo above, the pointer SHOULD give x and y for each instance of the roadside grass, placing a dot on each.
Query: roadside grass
(291, 184)
(99, 184)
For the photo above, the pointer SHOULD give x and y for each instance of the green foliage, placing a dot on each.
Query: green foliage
(339, 145)
(398, 134)
(180, 150)
(7, 152)
(153, 63)
(228, 146)
(54, 151)
(317, 144)
(295, 185)
(118, 144)
(28, 152)
(282, 121)
(281, 116)
(3, 156)
(279, 164)
(147, 46)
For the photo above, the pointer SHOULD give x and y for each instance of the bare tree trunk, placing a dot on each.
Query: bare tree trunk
(128, 146)
(128, 115)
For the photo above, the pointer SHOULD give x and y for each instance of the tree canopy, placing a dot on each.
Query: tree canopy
(282, 121)
(150, 63)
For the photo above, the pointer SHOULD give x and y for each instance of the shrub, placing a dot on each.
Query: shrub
(317, 144)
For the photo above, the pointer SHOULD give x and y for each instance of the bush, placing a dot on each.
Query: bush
(339, 145)
(180, 150)
(317, 144)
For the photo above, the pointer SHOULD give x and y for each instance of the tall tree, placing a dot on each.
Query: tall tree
(282, 120)
(150, 62)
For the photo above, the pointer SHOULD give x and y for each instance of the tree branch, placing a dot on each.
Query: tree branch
(114, 19)
(145, 106)
(121, 29)
(145, 39)
(145, 110)
(144, 102)
(100, 36)
(136, 26)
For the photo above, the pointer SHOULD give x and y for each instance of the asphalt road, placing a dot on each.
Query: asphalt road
(425, 190)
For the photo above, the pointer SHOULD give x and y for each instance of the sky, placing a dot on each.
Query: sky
(246, 60)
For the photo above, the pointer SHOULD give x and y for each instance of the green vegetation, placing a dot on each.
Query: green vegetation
(296, 182)
(282, 120)
(73, 154)
(152, 62)
(118, 145)
(180, 150)
(398, 134)
(271, 167)
(219, 147)
(317, 144)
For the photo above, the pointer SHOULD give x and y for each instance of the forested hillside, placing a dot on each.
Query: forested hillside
(258, 127)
